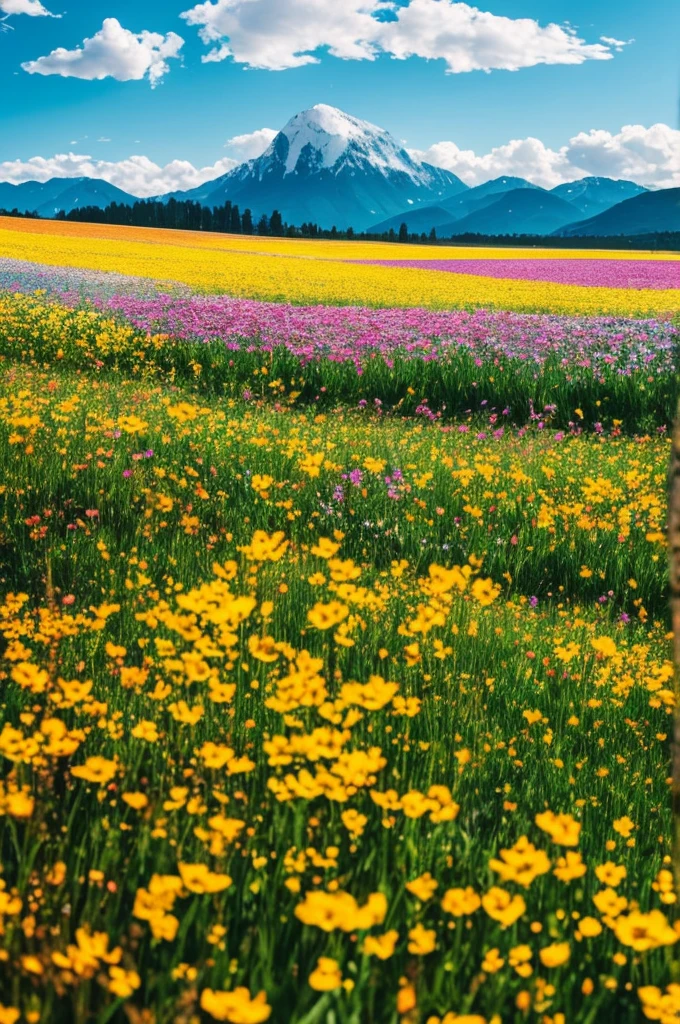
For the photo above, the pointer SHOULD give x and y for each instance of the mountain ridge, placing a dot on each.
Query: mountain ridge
(332, 169)
(639, 215)
(46, 198)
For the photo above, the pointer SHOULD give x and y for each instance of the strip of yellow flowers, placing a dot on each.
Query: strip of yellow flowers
(308, 281)
(339, 249)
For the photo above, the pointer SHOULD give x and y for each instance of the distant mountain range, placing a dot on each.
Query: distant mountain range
(515, 206)
(645, 213)
(329, 168)
(48, 197)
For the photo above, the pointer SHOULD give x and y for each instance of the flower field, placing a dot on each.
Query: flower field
(334, 637)
(311, 273)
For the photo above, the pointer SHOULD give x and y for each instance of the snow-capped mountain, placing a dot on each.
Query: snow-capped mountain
(331, 168)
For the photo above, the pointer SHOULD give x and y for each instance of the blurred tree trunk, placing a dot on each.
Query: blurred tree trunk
(674, 572)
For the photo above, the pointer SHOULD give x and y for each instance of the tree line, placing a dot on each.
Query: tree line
(187, 215)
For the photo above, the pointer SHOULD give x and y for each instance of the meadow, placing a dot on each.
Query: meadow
(334, 647)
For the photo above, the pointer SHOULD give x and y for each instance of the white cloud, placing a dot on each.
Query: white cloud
(247, 147)
(280, 34)
(524, 158)
(113, 52)
(617, 44)
(650, 156)
(33, 8)
(137, 175)
(468, 39)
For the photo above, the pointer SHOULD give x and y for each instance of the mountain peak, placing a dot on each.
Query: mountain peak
(326, 138)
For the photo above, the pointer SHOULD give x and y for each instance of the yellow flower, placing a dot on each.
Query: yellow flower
(17, 803)
(570, 867)
(660, 1006)
(406, 999)
(236, 1007)
(493, 961)
(326, 976)
(32, 965)
(132, 424)
(354, 822)
(645, 931)
(30, 677)
(519, 958)
(485, 591)
(96, 769)
(146, 730)
(609, 903)
(123, 983)
(263, 648)
(381, 946)
(199, 879)
(590, 927)
(442, 580)
(138, 801)
(325, 616)
(610, 873)
(261, 483)
(264, 548)
(604, 645)
(555, 955)
(56, 874)
(339, 910)
(325, 548)
(423, 887)
(422, 940)
(461, 901)
(500, 905)
(8, 1014)
(522, 863)
(624, 826)
(563, 829)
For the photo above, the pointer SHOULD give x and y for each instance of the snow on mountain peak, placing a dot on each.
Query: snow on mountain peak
(338, 140)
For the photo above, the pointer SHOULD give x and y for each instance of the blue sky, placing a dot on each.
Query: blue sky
(196, 107)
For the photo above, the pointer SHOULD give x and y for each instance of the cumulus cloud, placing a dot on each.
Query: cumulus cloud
(468, 39)
(33, 8)
(137, 175)
(280, 34)
(247, 147)
(113, 52)
(523, 158)
(649, 156)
